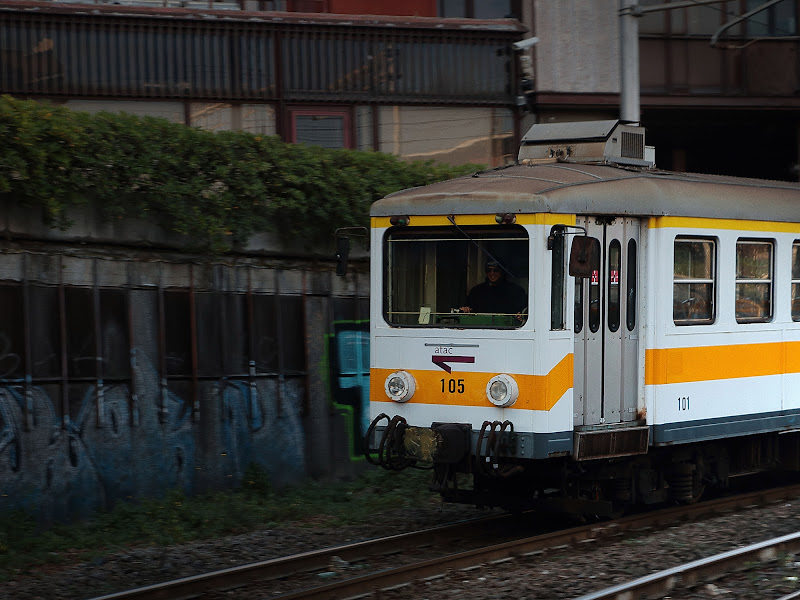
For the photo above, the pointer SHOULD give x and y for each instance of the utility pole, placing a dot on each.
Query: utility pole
(629, 13)
(629, 111)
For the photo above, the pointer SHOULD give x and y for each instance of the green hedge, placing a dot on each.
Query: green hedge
(216, 189)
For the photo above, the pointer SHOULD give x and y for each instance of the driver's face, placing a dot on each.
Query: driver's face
(493, 274)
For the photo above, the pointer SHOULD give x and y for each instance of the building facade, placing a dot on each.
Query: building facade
(718, 94)
(428, 79)
(419, 88)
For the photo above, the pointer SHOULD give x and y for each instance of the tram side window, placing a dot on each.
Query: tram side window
(630, 302)
(796, 280)
(557, 310)
(614, 267)
(694, 281)
(753, 281)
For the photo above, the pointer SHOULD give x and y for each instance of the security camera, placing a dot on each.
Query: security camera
(525, 44)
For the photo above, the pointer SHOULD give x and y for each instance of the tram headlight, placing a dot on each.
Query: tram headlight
(502, 390)
(498, 390)
(400, 386)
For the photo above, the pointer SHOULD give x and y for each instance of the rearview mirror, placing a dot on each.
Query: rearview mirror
(342, 253)
(584, 257)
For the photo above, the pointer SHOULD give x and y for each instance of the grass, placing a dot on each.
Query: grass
(177, 518)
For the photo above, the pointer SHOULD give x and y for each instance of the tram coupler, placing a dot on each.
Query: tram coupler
(452, 442)
(402, 444)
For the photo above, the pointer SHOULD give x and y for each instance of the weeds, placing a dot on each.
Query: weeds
(177, 519)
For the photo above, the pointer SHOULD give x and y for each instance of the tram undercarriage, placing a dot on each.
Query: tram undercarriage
(487, 474)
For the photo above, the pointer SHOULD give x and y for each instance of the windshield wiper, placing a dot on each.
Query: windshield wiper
(452, 219)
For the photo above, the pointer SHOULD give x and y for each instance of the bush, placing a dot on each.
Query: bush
(213, 188)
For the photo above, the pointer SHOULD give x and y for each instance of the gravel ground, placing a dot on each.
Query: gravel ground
(772, 580)
(565, 573)
(143, 566)
(572, 572)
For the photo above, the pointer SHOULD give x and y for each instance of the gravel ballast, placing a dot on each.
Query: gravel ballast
(563, 573)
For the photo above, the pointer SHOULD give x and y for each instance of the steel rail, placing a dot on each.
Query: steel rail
(394, 578)
(207, 583)
(303, 562)
(663, 582)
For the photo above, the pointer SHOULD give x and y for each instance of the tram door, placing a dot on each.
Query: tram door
(607, 324)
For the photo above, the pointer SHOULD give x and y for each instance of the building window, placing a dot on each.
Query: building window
(278, 334)
(46, 353)
(310, 6)
(114, 332)
(81, 337)
(693, 283)
(796, 280)
(481, 9)
(12, 335)
(222, 330)
(326, 128)
(177, 333)
(653, 22)
(753, 281)
(702, 20)
(778, 20)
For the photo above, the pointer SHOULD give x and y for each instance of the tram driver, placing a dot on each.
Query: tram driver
(496, 295)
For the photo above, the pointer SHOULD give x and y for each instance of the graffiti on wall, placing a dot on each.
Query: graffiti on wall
(63, 467)
(120, 445)
(110, 392)
(348, 349)
(259, 425)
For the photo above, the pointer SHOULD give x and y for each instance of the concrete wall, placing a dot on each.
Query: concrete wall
(578, 49)
(449, 135)
(127, 371)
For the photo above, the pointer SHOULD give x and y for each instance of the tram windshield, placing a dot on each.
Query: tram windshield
(465, 277)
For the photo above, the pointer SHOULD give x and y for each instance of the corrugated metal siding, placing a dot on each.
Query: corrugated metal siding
(103, 54)
(151, 59)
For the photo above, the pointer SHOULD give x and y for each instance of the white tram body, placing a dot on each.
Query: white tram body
(659, 351)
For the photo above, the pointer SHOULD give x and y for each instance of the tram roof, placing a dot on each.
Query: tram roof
(599, 189)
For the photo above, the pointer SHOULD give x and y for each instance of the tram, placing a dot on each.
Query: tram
(658, 351)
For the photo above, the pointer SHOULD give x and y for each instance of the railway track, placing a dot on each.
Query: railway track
(319, 561)
(299, 576)
(666, 582)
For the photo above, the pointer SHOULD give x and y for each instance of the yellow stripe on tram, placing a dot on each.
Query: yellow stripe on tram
(729, 224)
(708, 363)
(536, 392)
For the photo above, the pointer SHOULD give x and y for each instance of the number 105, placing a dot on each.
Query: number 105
(454, 386)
